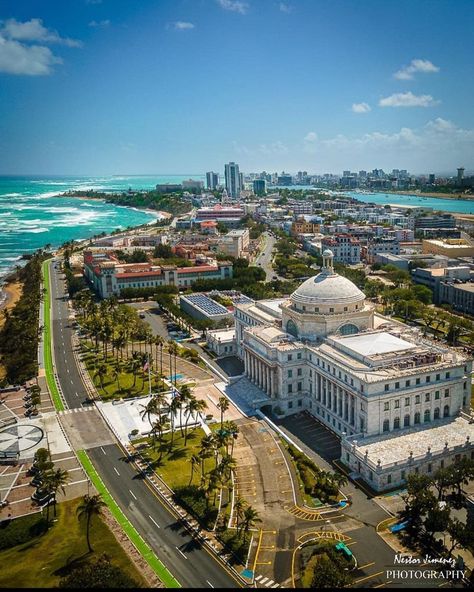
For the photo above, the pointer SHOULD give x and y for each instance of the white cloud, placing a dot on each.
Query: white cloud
(360, 107)
(182, 26)
(273, 148)
(100, 24)
(234, 6)
(34, 30)
(285, 7)
(311, 137)
(417, 65)
(30, 60)
(408, 99)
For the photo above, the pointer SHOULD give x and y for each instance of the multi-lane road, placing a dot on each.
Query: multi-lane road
(193, 565)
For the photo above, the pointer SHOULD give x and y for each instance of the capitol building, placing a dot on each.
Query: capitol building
(400, 403)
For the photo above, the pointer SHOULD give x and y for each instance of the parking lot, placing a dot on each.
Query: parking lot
(314, 434)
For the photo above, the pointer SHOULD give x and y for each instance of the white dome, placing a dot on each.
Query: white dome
(327, 288)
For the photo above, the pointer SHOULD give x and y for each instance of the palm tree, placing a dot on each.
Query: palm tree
(151, 408)
(160, 424)
(53, 482)
(223, 406)
(134, 365)
(173, 351)
(193, 408)
(173, 408)
(206, 451)
(232, 429)
(239, 506)
(116, 375)
(100, 373)
(91, 505)
(159, 342)
(250, 519)
(184, 396)
(226, 466)
(195, 462)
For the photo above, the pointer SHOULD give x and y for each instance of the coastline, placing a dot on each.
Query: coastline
(467, 197)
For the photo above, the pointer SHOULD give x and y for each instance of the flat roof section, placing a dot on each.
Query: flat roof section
(370, 344)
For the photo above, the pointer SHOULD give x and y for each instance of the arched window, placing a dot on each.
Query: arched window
(396, 423)
(406, 421)
(417, 417)
(291, 328)
(446, 411)
(348, 329)
(436, 413)
(386, 425)
(427, 416)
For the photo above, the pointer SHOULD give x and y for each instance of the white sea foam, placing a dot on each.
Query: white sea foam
(36, 230)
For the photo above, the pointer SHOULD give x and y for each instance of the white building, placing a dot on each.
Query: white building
(380, 387)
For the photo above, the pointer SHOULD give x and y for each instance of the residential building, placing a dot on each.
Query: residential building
(212, 180)
(259, 186)
(345, 248)
(303, 226)
(192, 185)
(233, 181)
(451, 247)
(381, 245)
(221, 213)
(459, 295)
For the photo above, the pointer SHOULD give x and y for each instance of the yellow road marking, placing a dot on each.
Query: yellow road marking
(367, 565)
(379, 573)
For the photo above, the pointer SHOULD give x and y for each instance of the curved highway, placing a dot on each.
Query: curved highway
(191, 563)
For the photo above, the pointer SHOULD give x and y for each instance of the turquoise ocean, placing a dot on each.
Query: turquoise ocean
(33, 215)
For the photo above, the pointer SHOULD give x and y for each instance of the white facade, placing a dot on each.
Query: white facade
(367, 384)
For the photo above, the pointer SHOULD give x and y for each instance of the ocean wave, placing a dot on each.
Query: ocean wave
(36, 230)
(11, 195)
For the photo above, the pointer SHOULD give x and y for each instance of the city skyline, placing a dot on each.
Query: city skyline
(102, 88)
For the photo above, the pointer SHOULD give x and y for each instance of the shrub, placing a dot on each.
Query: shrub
(193, 499)
(239, 547)
(18, 531)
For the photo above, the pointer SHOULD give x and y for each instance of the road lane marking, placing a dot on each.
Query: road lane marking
(133, 495)
(208, 582)
(367, 565)
(179, 551)
(154, 521)
(379, 573)
(102, 448)
(118, 473)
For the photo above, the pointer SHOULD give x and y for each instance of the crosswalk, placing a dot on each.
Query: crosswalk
(266, 582)
(76, 410)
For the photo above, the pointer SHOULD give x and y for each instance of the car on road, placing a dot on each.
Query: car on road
(88, 401)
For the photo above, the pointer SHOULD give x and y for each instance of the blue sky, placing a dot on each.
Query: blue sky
(183, 86)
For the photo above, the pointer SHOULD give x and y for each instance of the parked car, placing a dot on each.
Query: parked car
(33, 470)
(37, 480)
(142, 315)
(42, 497)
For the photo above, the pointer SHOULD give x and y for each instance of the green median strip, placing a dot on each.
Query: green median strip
(47, 352)
(165, 576)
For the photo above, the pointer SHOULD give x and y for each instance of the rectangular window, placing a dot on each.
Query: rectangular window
(417, 381)
(407, 383)
(427, 397)
(300, 372)
(437, 395)
(290, 357)
(290, 373)
(387, 387)
(386, 406)
(407, 401)
(428, 379)
(446, 393)
(290, 404)
(417, 399)
(397, 404)
(300, 386)
(298, 355)
(290, 388)
(438, 376)
(397, 385)
(448, 375)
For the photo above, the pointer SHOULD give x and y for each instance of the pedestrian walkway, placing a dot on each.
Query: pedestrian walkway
(266, 582)
(76, 410)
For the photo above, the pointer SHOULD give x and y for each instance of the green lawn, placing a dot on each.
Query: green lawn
(175, 466)
(47, 353)
(124, 388)
(39, 562)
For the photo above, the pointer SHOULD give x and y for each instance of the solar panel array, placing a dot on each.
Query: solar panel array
(206, 304)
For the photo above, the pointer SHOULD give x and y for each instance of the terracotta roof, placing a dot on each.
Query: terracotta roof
(197, 269)
(139, 274)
